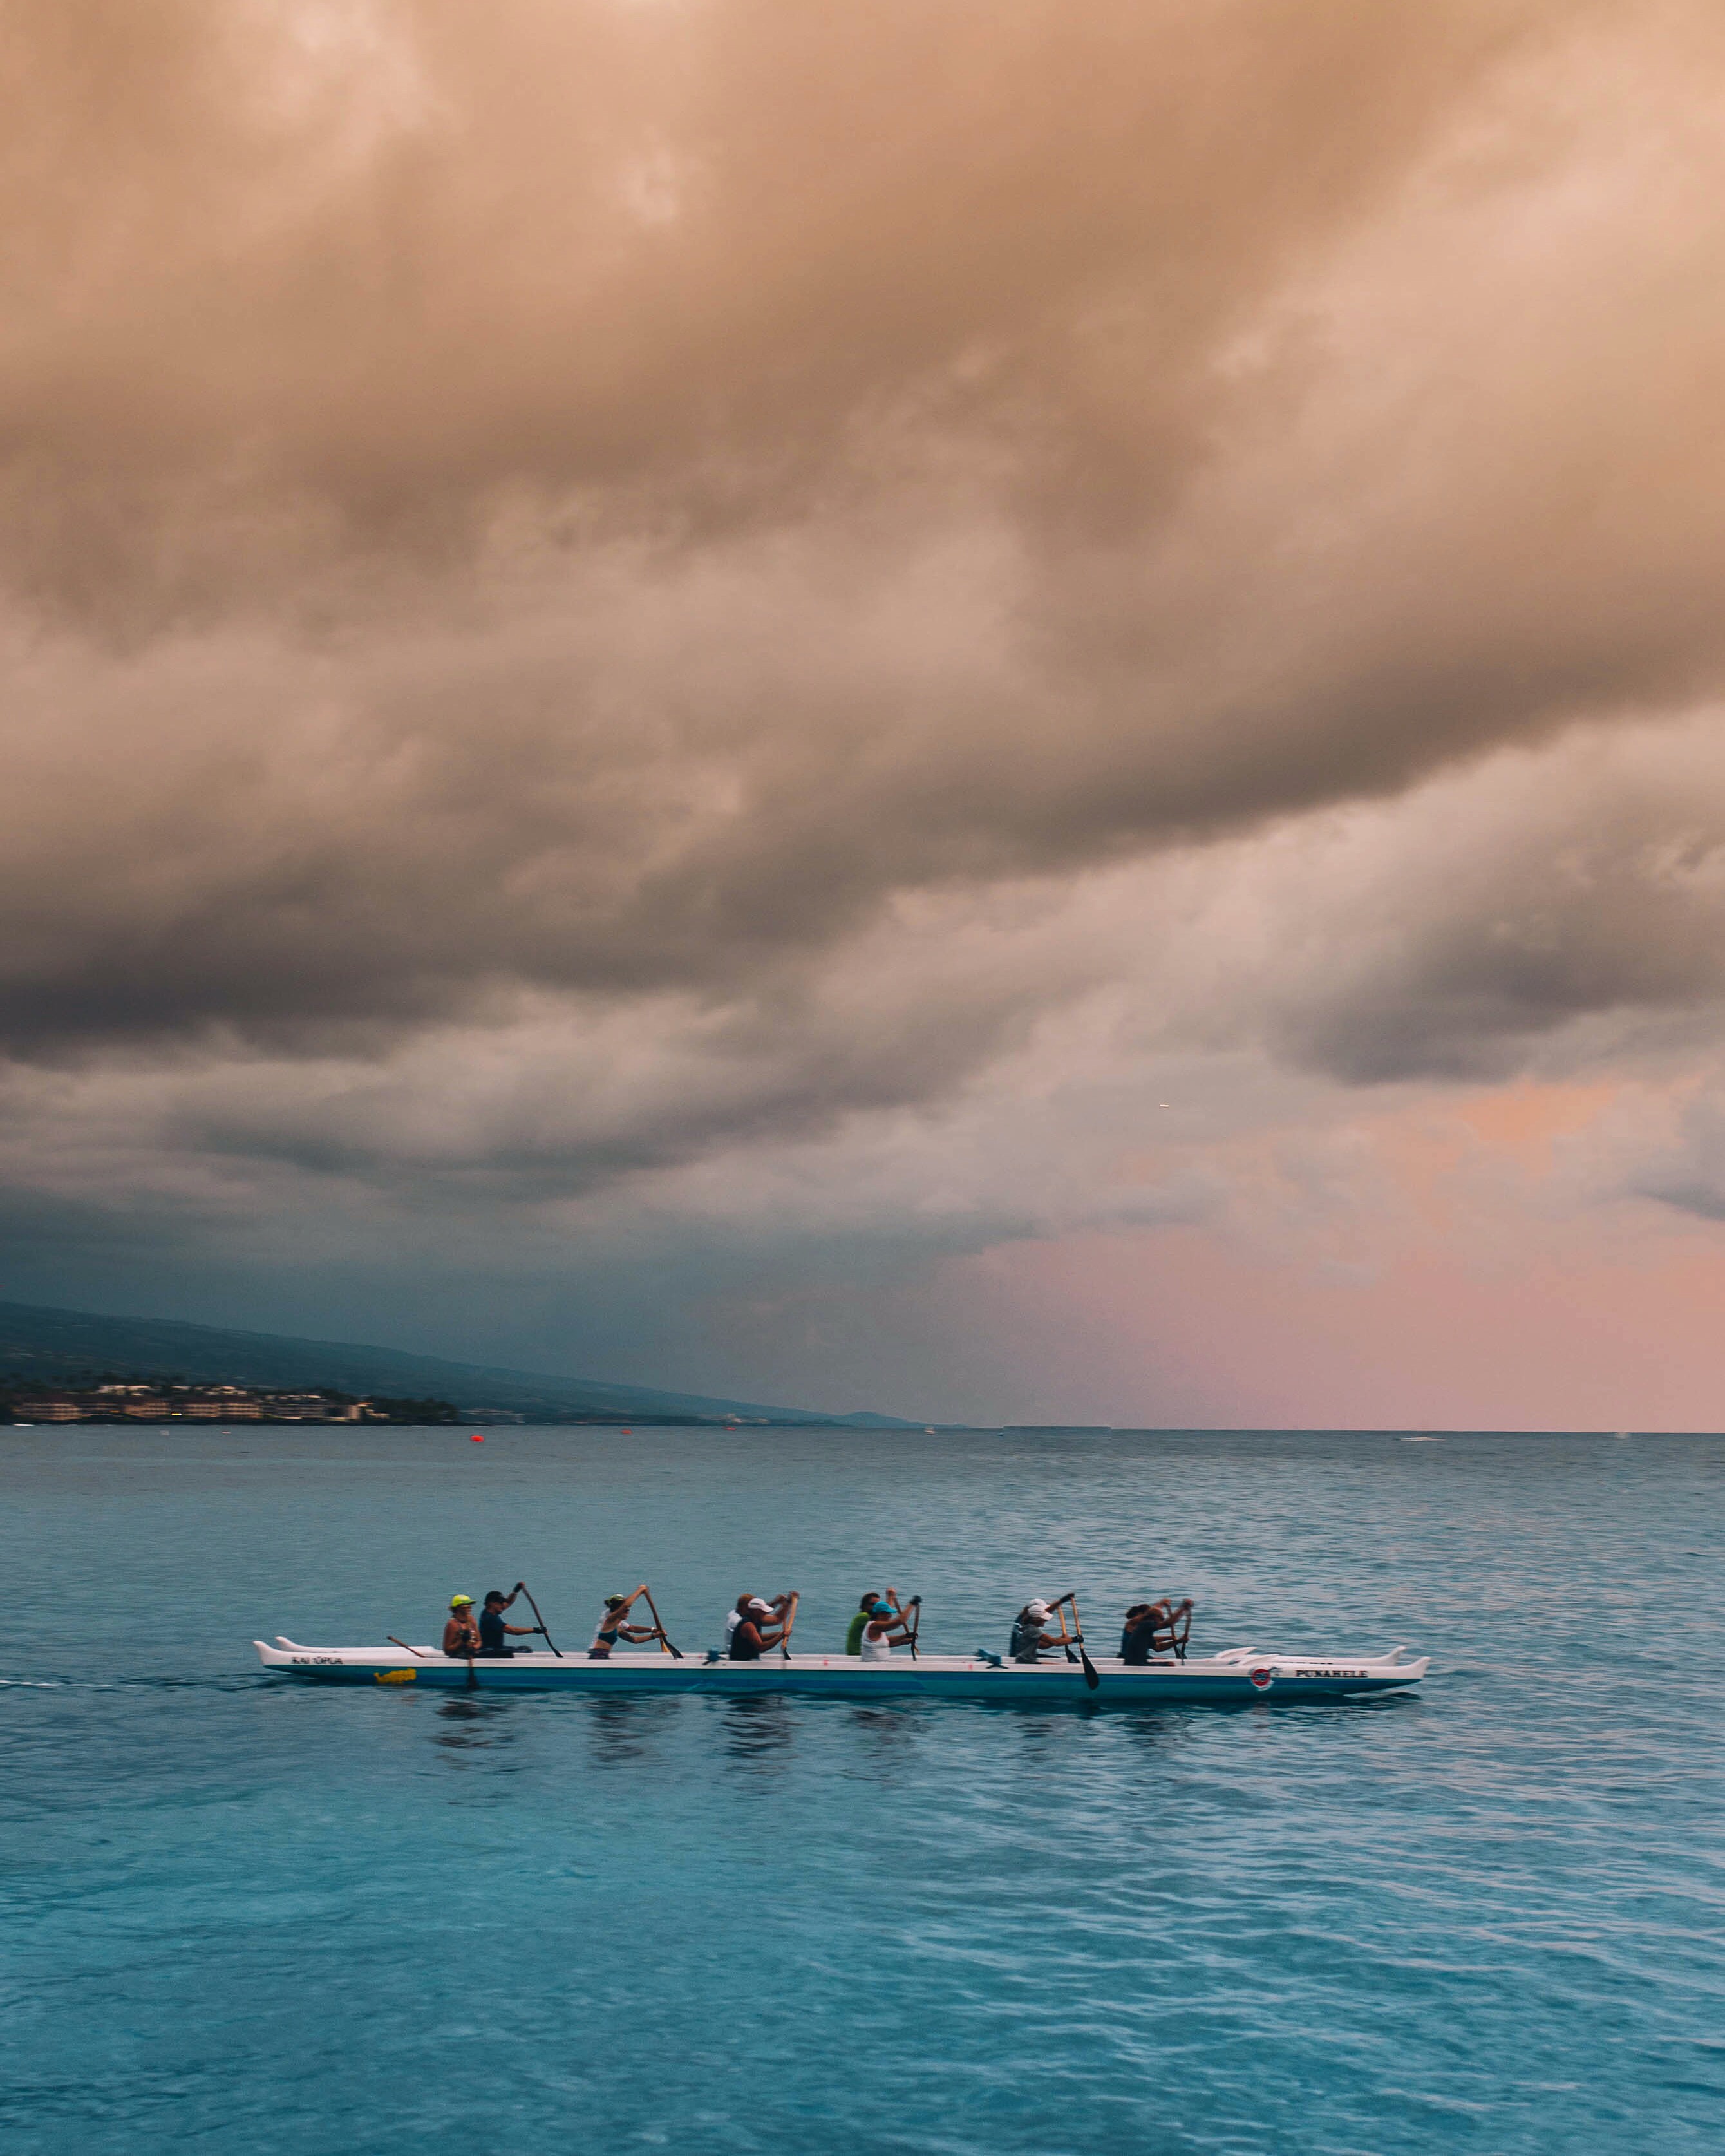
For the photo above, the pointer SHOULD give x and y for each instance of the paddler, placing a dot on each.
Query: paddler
(739, 1608)
(1138, 1636)
(461, 1634)
(1152, 1627)
(865, 1610)
(492, 1629)
(753, 1632)
(885, 1626)
(1028, 1637)
(614, 1625)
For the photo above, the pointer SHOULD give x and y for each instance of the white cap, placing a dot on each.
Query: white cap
(1038, 1609)
(756, 1603)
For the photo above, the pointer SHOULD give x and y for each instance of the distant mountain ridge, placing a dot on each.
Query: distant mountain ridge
(48, 1345)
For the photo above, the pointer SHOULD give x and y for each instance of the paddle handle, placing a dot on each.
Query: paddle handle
(665, 1645)
(784, 1640)
(1092, 1676)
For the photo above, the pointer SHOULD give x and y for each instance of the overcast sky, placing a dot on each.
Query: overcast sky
(1004, 710)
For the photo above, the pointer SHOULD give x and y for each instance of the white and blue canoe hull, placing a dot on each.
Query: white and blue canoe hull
(1240, 1675)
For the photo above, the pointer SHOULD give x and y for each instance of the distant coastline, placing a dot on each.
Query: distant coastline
(111, 1399)
(46, 1353)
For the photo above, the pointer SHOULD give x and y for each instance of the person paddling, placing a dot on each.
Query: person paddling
(739, 1608)
(461, 1634)
(1029, 1638)
(865, 1610)
(1155, 1628)
(1137, 1637)
(614, 1625)
(885, 1626)
(760, 1625)
(492, 1630)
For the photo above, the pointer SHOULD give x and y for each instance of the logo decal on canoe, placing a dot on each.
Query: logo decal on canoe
(396, 1676)
(1261, 1677)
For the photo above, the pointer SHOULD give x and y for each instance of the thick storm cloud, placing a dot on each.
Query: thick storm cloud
(588, 591)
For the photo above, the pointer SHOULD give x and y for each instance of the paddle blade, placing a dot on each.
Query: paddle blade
(1092, 1678)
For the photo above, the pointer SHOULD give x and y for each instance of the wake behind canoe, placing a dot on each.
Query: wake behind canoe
(1241, 1674)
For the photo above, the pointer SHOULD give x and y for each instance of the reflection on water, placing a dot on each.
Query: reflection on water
(623, 1725)
(473, 1724)
(1156, 1733)
(888, 1727)
(1039, 1738)
(759, 1730)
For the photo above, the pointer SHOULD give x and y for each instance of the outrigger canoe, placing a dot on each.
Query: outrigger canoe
(1241, 1673)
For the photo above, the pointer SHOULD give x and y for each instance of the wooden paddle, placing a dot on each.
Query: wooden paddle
(665, 1645)
(784, 1637)
(522, 1586)
(1065, 1642)
(917, 1624)
(402, 1645)
(1091, 1676)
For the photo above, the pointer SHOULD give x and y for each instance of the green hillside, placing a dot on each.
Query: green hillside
(49, 1346)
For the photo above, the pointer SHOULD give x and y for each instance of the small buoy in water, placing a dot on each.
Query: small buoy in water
(628, 1433)
(478, 1437)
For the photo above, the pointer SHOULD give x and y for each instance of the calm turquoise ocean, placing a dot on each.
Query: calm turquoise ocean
(243, 1917)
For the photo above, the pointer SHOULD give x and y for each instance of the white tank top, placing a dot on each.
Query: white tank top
(876, 1650)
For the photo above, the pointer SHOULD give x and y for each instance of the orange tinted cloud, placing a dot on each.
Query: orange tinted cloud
(591, 593)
